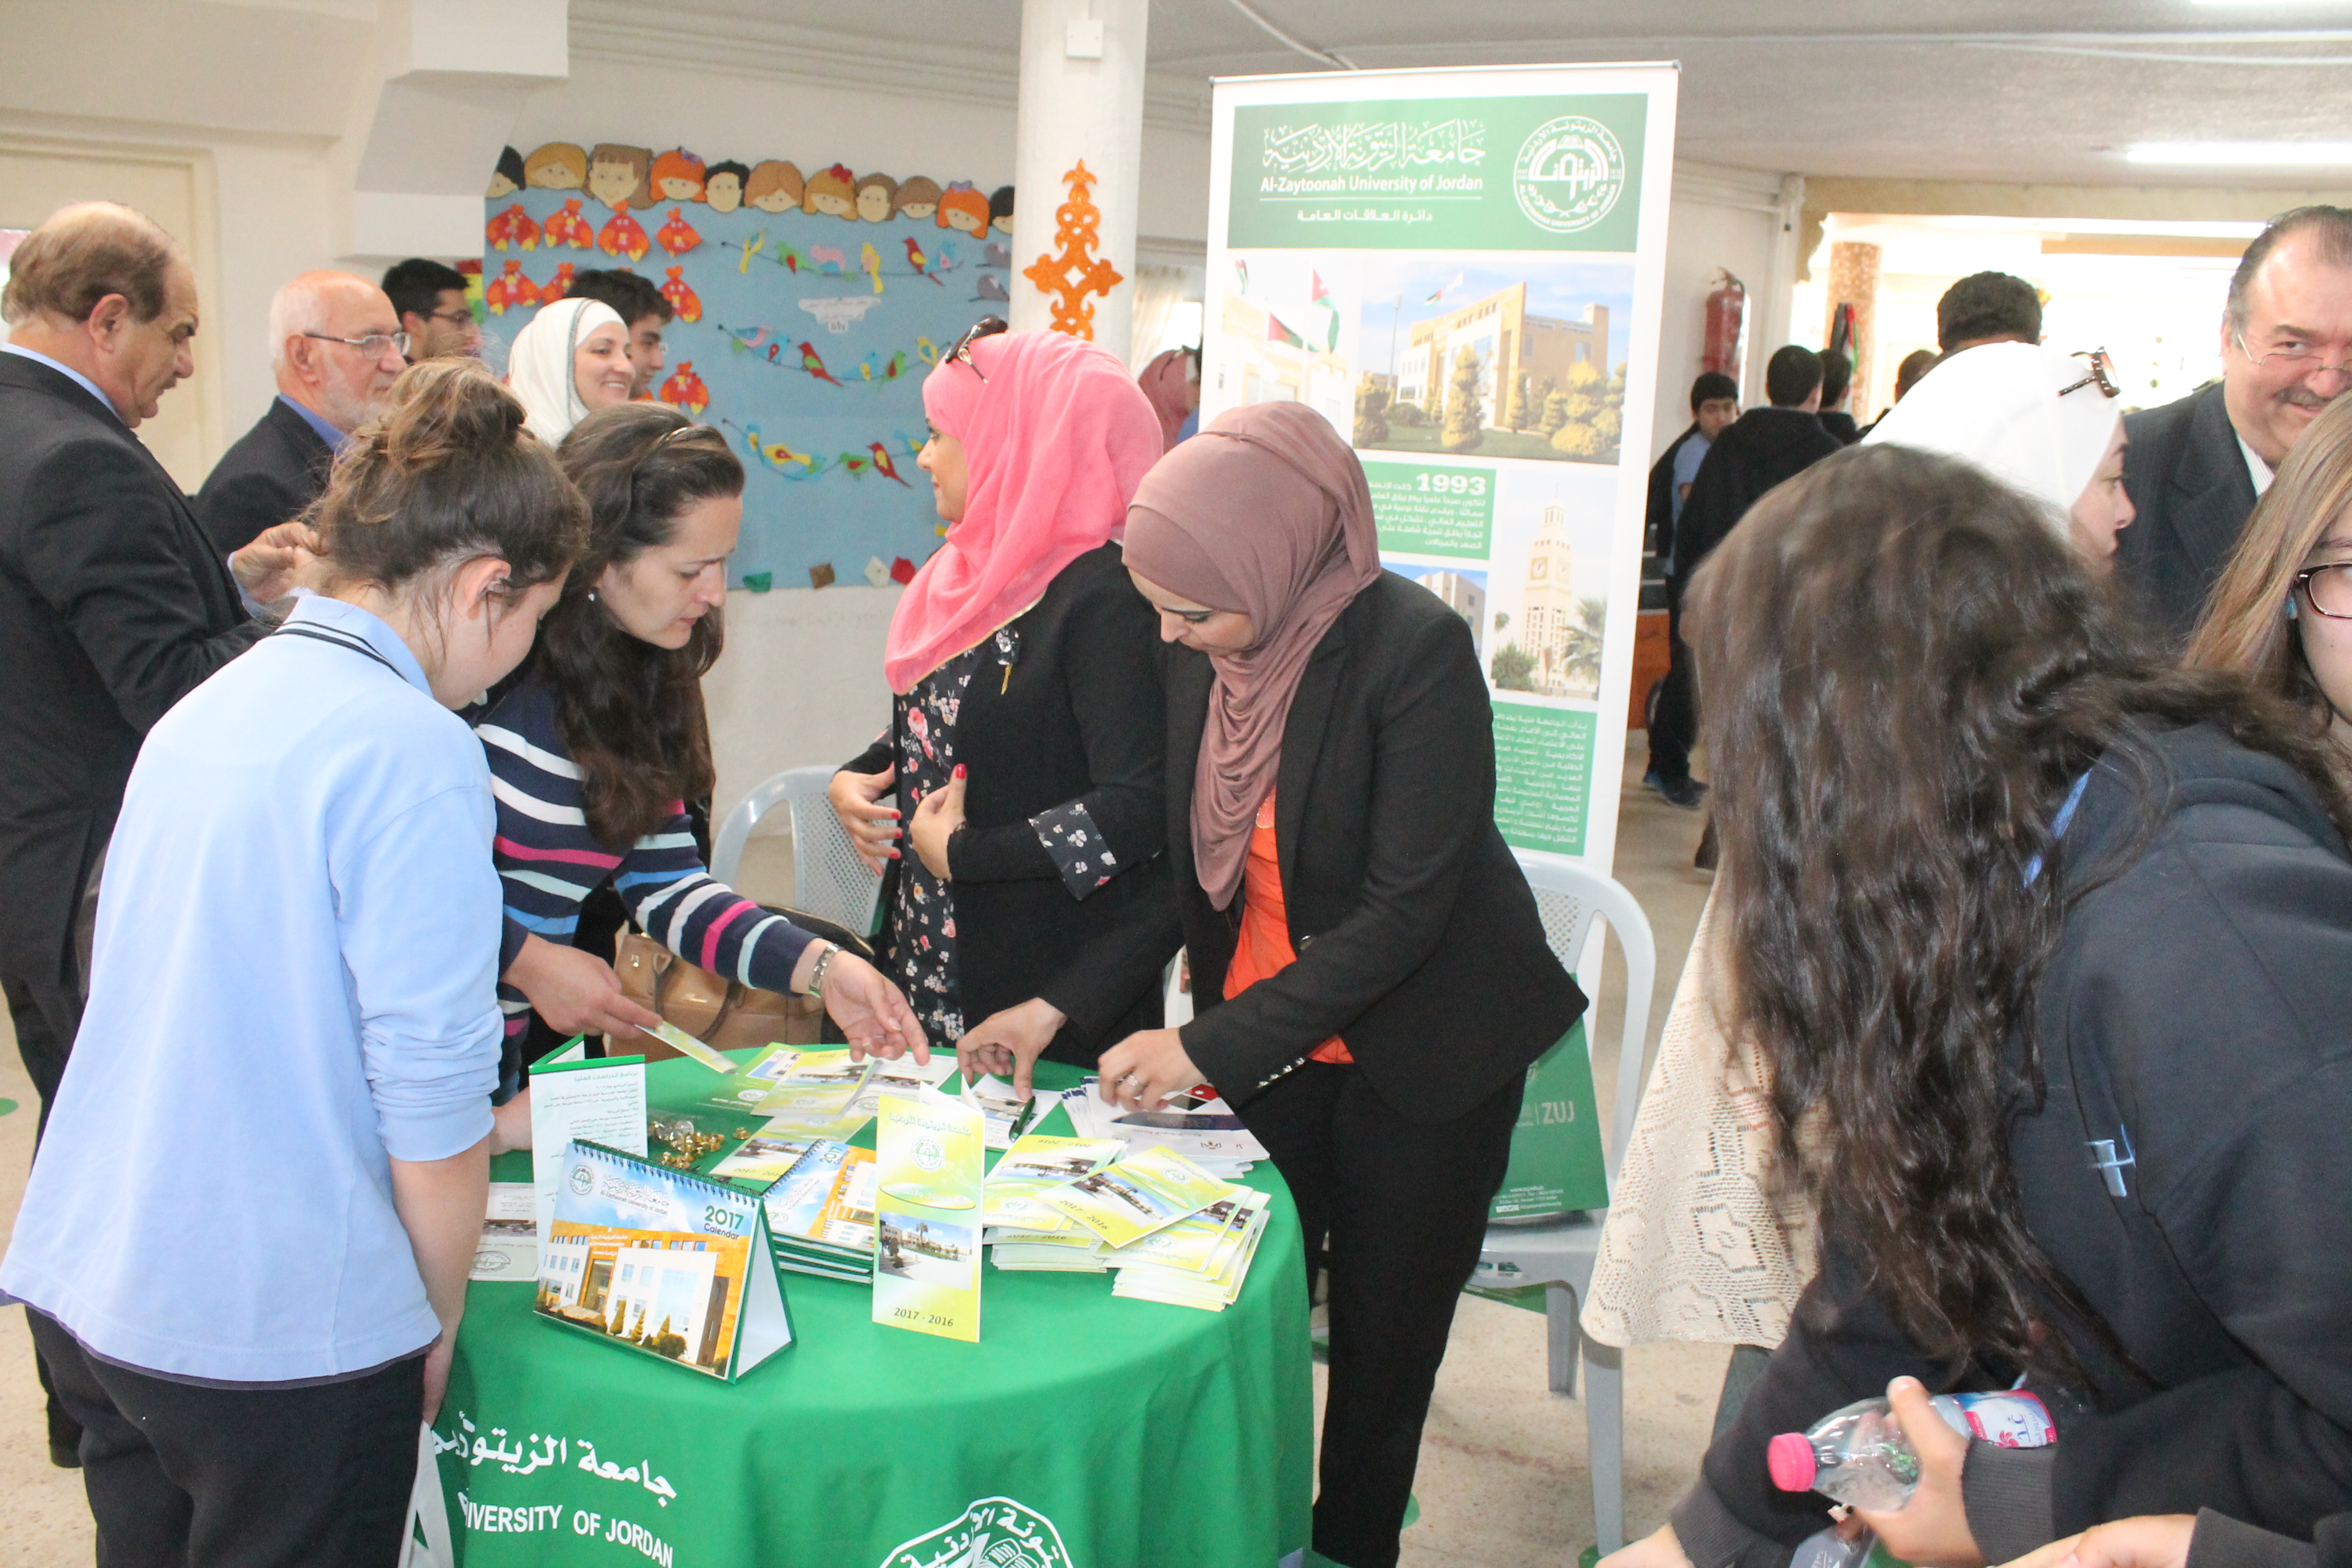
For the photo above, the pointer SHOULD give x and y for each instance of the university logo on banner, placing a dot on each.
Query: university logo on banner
(994, 1533)
(1569, 174)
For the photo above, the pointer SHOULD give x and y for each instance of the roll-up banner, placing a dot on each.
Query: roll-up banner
(1461, 270)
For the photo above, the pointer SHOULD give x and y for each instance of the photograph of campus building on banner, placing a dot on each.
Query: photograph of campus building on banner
(1456, 362)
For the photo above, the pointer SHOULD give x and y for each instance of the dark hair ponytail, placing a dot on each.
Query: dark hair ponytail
(444, 474)
(630, 713)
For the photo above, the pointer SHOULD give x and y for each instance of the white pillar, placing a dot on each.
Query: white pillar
(1075, 108)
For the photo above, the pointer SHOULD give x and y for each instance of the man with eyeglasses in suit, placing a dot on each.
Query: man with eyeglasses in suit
(2195, 467)
(337, 347)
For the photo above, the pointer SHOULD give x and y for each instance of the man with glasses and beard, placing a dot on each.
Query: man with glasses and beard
(2194, 468)
(337, 346)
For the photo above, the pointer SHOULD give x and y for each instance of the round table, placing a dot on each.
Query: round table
(1082, 1431)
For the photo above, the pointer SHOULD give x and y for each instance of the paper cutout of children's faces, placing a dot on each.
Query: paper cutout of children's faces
(831, 193)
(917, 197)
(874, 193)
(964, 208)
(677, 176)
(507, 177)
(616, 174)
(774, 186)
(556, 166)
(722, 186)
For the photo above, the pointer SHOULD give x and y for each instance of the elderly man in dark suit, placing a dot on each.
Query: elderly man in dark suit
(2195, 467)
(112, 602)
(337, 346)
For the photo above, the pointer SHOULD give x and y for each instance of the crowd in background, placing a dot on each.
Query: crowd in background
(2026, 722)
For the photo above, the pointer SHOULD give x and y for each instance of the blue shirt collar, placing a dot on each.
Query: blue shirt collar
(65, 370)
(342, 617)
(336, 440)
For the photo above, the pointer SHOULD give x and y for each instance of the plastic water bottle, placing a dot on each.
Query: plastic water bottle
(1858, 1456)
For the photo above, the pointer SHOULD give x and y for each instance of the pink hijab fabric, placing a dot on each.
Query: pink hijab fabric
(1166, 381)
(1265, 512)
(1054, 441)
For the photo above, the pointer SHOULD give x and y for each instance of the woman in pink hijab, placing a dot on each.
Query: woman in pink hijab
(1372, 977)
(1027, 741)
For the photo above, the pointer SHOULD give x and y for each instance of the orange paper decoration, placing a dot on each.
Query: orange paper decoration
(1069, 278)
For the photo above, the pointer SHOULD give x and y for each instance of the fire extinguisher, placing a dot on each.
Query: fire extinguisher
(1724, 347)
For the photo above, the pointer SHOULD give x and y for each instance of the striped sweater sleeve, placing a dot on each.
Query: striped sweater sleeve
(549, 863)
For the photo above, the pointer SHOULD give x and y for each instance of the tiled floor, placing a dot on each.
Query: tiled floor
(1503, 1482)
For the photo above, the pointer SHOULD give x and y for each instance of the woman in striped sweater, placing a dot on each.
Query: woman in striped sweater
(597, 746)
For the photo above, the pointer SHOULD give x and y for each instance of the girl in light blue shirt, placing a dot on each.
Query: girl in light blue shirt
(245, 1238)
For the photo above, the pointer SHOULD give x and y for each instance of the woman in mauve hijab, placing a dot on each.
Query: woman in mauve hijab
(1026, 740)
(1371, 975)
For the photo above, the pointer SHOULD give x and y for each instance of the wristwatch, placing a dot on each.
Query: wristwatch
(816, 973)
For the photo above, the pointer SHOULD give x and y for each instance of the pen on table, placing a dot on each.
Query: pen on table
(1028, 1114)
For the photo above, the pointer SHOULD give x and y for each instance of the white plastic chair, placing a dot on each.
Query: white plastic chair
(1559, 1254)
(828, 878)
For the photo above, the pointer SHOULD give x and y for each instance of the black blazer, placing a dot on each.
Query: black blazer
(1076, 715)
(274, 472)
(2188, 483)
(1761, 448)
(1418, 939)
(112, 607)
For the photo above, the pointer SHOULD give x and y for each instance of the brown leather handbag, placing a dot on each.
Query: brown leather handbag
(725, 1014)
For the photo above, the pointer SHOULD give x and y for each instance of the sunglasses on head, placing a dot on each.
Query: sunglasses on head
(2099, 377)
(986, 327)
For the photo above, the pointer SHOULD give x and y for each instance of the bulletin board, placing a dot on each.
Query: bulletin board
(809, 307)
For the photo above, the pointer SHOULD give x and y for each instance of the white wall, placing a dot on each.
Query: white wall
(1731, 219)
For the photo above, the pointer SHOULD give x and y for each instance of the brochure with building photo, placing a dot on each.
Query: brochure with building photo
(929, 1160)
(663, 1262)
(1006, 1115)
(904, 1076)
(1034, 1163)
(744, 1086)
(510, 1245)
(820, 1082)
(821, 1213)
(1143, 1193)
(762, 1157)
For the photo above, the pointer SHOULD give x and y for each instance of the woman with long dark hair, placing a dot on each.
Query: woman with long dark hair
(2048, 950)
(600, 743)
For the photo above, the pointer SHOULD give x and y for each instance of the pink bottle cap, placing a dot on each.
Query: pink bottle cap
(1790, 1457)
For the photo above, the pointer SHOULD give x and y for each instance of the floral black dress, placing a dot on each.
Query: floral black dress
(922, 918)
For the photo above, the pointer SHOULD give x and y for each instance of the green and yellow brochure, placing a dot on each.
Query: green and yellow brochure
(821, 1083)
(686, 1045)
(928, 1184)
(1033, 1164)
(1143, 1193)
(746, 1085)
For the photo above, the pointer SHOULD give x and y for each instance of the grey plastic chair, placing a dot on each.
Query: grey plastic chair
(1559, 1255)
(828, 878)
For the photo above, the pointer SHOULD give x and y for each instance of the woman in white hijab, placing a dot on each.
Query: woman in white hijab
(1705, 1242)
(569, 358)
(2046, 422)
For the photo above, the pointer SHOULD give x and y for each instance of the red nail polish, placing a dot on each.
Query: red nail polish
(958, 773)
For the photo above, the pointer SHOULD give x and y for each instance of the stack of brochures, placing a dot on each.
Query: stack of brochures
(1206, 1131)
(1071, 1251)
(1029, 1168)
(1198, 1261)
(821, 1213)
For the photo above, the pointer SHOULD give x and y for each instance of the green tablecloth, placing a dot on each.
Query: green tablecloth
(1083, 1431)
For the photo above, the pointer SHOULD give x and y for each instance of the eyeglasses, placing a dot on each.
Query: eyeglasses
(453, 318)
(2301, 357)
(373, 345)
(2098, 376)
(986, 327)
(2326, 589)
